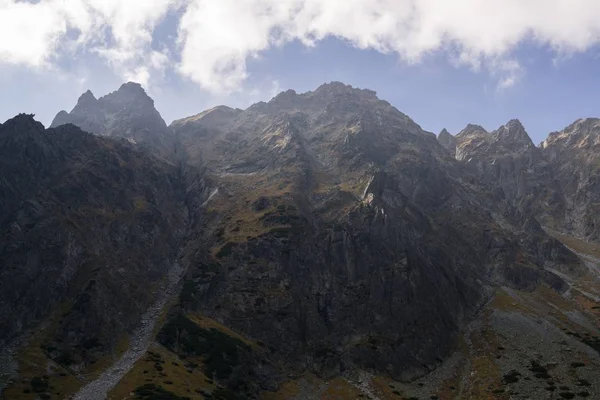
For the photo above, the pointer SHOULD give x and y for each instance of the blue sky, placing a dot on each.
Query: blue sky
(194, 54)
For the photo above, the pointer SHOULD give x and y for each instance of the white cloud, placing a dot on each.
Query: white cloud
(29, 32)
(217, 37)
(38, 34)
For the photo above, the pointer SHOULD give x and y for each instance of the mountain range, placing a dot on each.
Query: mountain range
(319, 245)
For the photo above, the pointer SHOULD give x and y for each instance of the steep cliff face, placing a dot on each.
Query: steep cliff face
(508, 161)
(556, 183)
(447, 141)
(342, 234)
(89, 225)
(575, 152)
(127, 113)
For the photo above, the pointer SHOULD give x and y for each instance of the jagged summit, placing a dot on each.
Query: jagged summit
(20, 124)
(132, 90)
(21, 118)
(513, 132)
(87, 97)
(337, 88)
(447, 141)
(61, 118)
(86, 103)
(131, 95)
(471, 129)
(133, 87)
(127, 112)
(285, 94)
(333, 86)
(582, 132)
(444, 132)
(217, 117)
(317, 99)
(514, 123)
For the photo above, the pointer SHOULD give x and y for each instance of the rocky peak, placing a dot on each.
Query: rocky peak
(513, 133)
(86, 102)
(472, 129)
(130, 94)
(21, 124)
(339, 88)
(333, 86)
(87, 97)
(471, 140)
(288, 94)
(132, 88)
(217, 117)
(447, 141)
(61, 118)
(284, 100)
(582, 133)
(127, 113)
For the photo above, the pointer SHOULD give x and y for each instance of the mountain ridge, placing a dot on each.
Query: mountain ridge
(319, 233)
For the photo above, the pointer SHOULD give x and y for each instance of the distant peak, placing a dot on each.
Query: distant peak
(60, 119)
(23, 121)
(586, 122)
(217, 113)
(129, 93)
(132, 87)
(475, 126)
(288, 94)
(336, 87)
(86, 101)
(515, 124)
(447, 140)
(444, 132)
(21, 118)
(87, 97)
(472, 129)
(222, 108)
(513, 131)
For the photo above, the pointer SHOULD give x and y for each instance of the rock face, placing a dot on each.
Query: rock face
(556, 183)
(343, 227)
(326, 226)
(508, 161)
(447, 140)
(127, 113)
(575, 152)
(89, 225)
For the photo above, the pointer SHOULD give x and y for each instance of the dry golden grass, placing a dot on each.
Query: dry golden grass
(239, 220)
(186, 380)
(590, 306)
(340, 389)
(288, 390)
(208, 323)
(484, 375)
(579, 245)
(310, 385)
(450, 386)
(175, 376)
(505, 302)
(385, 387)
(62, 381)
(140, 204)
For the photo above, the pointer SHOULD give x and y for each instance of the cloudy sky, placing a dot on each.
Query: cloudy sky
(444, 63)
